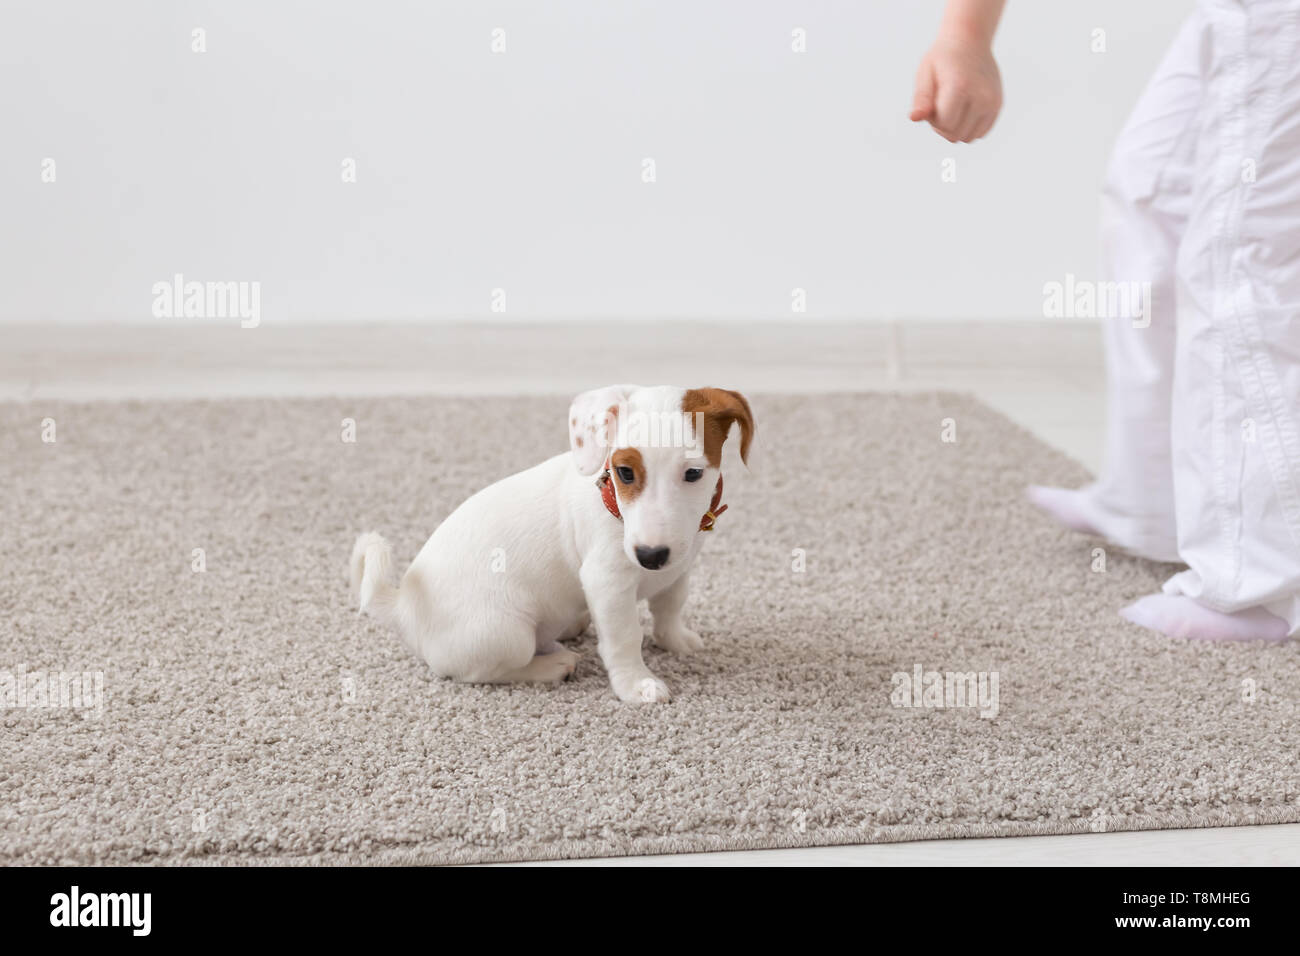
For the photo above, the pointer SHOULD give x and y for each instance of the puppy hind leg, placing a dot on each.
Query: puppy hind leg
(506, 653)
(543, 669)
(549, 645)
(578, 628)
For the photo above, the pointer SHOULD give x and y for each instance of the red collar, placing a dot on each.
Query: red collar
(606, 485)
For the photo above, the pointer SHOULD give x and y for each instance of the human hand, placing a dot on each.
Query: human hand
(958, 90)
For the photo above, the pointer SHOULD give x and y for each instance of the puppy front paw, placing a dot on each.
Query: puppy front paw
(679, 640)
(640, 688)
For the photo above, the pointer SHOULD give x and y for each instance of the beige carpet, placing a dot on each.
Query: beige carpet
(248, 715)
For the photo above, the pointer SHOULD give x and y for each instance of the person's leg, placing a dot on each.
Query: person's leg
(1145, 205)
(1236, 412)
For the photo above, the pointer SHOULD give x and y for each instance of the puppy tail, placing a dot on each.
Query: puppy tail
(372, 577)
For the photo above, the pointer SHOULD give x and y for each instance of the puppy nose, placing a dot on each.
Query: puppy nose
(651, 558)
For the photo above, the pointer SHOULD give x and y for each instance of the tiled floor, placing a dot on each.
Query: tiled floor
(1046, 375)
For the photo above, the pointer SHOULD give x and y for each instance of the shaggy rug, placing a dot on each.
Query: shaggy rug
(898, 648)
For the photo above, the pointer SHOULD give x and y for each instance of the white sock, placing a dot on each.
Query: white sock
(1178, 616)
(1065, 505)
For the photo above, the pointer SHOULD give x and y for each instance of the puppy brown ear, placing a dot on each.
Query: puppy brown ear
(720, 407)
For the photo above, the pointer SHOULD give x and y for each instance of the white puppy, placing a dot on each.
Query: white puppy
(581, 537)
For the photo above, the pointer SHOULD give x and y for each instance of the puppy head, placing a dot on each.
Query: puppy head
(664, 447)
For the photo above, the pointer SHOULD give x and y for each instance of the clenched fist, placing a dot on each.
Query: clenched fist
(958, 86)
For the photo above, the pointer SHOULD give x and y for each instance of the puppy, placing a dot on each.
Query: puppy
(578, 539)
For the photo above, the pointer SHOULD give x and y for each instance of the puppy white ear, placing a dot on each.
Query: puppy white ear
(593, 425)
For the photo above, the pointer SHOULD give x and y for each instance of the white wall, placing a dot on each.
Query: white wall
(522, 170)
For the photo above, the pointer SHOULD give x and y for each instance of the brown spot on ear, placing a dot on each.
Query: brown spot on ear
(720, 407)
(609, 426)
(627, 458)
(577, 440)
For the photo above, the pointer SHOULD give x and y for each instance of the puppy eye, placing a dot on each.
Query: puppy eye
(625, 474)
(694, 474)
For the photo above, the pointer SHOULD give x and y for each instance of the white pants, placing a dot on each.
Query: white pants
(1202, 200)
